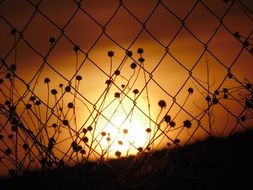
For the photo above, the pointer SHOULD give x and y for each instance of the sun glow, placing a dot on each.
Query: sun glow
(123, 135)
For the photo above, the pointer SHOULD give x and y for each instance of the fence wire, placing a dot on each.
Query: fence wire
(89, 80)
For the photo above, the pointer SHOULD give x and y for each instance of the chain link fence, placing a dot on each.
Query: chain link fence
(88, 80)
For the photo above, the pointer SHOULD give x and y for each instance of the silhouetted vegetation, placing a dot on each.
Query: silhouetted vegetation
(61, 127)
(216, 163)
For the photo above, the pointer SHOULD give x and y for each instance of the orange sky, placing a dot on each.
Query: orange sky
(170, 70)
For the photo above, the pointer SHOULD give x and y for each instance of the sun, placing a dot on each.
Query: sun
(123, 136)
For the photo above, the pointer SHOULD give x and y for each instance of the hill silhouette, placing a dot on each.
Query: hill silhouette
(216, 163)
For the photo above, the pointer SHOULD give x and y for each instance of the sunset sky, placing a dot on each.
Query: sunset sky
(186, 45)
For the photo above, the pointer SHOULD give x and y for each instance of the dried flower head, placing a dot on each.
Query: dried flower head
(230, 75)
(141, 59)
(110, 53)
(13, 31)
(245, 43)
(108, 82)
(79, 77)
(13, 67)
(7, 102)
(117, 72)
(85, 130)
(32, 98)
(237, 35)
(133, 65)
(248, 86)
(243, 118)
(85, 139)
(216, 92)
(116, 94)
(129, 53)
(54, 92)
(172, 124)
(118, 153)
(70, 105)
(162, 103)
(190, 90)
(51, 40)
(208, 98)
(167, 118)
(65, 122)
(46, 80)
(37, 102)
(140, 50)
(28, 106)
(25, 146)
(148, 130)
(76, 48)
(135, 91)
(89, 128)
(125, 131)
(8, 151)
(215, 100)
(108, 139)
(187, 123)
(67, 88)
(225, 90)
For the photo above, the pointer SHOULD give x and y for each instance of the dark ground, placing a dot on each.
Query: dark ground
(211, 164)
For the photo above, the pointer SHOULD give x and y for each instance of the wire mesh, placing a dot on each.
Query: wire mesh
(90, 81)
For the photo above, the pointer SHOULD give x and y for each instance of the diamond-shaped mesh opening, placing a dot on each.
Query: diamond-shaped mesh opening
(12, 11)
(57, 12)
(202, 27)
(242, 66)
(26, 71)
(140, 9)
(177, 8)
(186, 49)
(83, 30)
(239, 19)
(218, 43)
(163, 25)
(213, 8)
(129, 26)
(40, 40)
(6, 39)
(101, 11)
